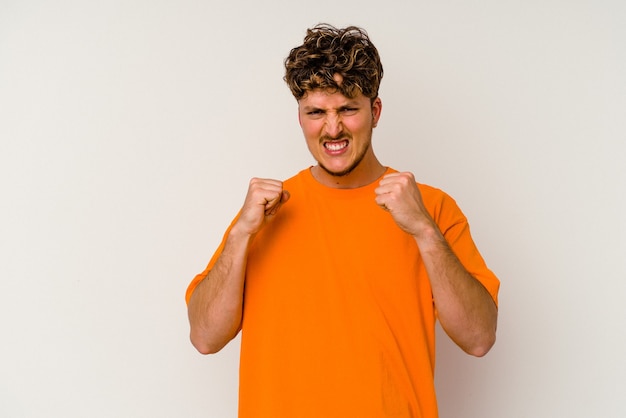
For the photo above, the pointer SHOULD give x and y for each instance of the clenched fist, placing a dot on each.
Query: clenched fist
(398, 194)
(263, 200)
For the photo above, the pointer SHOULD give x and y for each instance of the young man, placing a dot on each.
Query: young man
(337, 275)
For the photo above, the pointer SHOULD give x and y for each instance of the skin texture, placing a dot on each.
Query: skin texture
(338, 133)
(330, 119)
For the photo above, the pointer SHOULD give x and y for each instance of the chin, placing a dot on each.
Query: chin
(338, 172)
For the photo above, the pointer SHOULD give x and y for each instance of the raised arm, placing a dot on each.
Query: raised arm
(465, 309)
(215, 307)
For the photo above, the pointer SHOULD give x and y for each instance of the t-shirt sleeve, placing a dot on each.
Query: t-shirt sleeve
(201, 276)
(455, 228)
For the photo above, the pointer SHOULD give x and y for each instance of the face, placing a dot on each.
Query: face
(338, 133)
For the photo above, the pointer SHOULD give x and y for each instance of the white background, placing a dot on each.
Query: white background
(129, 130)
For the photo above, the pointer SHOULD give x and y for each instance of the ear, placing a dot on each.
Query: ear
(299, 117)
(377, 108)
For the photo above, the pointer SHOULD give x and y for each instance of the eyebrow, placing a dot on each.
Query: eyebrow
(309, 108)
(349, 103)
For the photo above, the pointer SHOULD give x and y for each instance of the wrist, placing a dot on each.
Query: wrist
(240, 233)
(428, 236)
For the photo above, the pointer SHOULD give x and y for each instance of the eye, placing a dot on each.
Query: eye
(315, 113)
(349, 111)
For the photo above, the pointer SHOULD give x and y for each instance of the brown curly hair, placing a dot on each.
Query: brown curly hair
(327, 51)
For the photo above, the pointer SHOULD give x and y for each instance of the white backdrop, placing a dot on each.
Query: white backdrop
(129, 130)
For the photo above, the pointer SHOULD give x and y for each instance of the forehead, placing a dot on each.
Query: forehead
(330, 99)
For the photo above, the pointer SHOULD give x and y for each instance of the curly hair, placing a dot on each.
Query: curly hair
(328, 51)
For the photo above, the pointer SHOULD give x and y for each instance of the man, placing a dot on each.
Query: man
(337, 275)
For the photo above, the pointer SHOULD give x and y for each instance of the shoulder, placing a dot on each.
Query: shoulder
(298, 179)
(442, 206)
(436, 197)
(432, 192)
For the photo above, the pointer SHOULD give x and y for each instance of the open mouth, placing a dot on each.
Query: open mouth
(336, 145)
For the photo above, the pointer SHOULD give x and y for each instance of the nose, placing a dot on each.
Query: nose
(333, 125)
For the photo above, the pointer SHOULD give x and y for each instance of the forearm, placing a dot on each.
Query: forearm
(465, 309)
(215, 307)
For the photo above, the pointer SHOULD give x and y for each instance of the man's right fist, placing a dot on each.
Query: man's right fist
(264, 199)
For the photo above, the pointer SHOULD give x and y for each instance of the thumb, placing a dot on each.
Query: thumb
(276, 206)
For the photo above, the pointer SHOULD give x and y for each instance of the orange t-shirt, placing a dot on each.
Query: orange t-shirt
(338, 314)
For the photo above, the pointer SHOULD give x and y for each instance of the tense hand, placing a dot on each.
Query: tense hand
(398, 194)
(263, 200)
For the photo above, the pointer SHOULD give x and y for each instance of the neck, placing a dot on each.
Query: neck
(362, 175)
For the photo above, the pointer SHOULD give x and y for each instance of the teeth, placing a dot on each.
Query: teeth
(336, 146)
